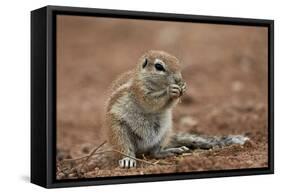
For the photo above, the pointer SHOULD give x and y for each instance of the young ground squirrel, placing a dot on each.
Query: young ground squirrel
(139, 111)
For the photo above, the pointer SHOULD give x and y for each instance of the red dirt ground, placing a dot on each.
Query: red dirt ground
(225, 67)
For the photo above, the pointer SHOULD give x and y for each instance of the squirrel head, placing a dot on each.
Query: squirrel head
(158, 69)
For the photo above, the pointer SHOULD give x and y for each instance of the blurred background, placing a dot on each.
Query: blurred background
(225, 67)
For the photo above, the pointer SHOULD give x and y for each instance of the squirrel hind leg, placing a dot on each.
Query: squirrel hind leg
(166, 152)
(178, 150)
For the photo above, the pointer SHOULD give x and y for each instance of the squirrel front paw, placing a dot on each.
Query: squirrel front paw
(183, 87)
(175, 91)
(127, 163)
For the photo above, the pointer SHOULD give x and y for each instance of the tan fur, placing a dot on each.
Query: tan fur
(139, 111)
(130, 86)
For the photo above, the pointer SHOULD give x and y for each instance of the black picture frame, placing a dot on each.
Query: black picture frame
(43, 94)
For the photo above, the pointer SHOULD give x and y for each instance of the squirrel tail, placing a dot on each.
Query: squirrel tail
(193, 141)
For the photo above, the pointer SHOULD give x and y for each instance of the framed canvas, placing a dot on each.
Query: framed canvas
(126, 96)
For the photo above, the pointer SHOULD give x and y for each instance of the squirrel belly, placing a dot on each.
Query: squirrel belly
(144, 130)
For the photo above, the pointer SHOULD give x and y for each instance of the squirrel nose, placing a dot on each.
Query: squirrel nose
(177, 79)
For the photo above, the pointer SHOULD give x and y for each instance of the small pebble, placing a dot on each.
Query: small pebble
(86, 149)
(97, 168)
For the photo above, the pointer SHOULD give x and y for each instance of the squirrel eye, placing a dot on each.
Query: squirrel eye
(144, 63)
(159, 67)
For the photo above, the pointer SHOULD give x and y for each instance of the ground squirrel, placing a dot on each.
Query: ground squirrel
(139, 111)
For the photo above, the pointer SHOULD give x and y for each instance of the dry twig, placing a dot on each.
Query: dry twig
(86, 158)
(90, 155)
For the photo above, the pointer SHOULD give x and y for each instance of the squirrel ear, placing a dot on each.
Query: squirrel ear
(144, 63)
